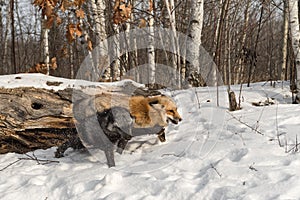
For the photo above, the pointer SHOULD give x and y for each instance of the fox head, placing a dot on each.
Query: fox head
(169, 108)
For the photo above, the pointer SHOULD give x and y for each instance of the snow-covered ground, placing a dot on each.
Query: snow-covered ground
(211, 154)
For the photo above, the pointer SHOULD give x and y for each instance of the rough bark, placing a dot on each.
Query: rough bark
(97, 12)
(45, 43)
(170, 6)
(239, 78)
(295, 35)
(33, 118)
(195, 32)
(13, 46)
(5, 47)
(285, 41)
(151, 49)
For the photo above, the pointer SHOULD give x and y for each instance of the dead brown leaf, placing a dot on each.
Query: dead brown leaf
(78, 30)
(89, 45)
(80, 13)
(143, 23)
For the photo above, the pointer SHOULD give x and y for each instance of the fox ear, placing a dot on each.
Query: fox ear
(156, 105)
(151, 103)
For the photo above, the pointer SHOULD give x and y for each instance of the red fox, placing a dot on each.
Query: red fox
(119, 123)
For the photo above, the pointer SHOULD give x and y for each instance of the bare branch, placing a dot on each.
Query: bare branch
(247, 125)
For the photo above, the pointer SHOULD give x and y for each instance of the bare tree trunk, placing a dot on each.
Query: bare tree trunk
(195, 32)
(115, 62)
(1, 36)
(45, 43)
(295, 34)
(285, 41)
(252, 64)
(13, 48)
(5, 48)
(71, 61)
(151, 50)
(231, 94)
(94, 61)
(174, 39)
(241, 66)
(220, 34)
(21, 55)
(98, 12)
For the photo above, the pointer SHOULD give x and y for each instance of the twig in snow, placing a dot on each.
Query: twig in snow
(10, 164)
(295, 148)
(38, 160)
(172, 154)
(214, 168)
(277, 131)
(247, 125)
(259, 118)
(253, 168)
(29, 157)
(196, 93)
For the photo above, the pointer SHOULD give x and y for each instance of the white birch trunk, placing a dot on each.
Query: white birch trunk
(97, 10)
(115, 62)
(45, 33)
(6, 40)
(71, 60)
(151, 50)
(295, 34)
(195, 32)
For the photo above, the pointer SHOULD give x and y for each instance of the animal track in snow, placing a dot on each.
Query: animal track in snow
(237, 154)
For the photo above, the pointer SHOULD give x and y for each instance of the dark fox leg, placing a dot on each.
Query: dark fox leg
(61, 149)
(73, 142)
(121, 145)
(109, 153)
(161, 135)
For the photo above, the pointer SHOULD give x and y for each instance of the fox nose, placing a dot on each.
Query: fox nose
(180, 119)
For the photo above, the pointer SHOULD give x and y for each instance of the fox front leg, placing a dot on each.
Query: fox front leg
(109, 153)
(161, 135)
(121, 145)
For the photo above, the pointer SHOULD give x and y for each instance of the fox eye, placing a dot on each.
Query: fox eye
(171, 111)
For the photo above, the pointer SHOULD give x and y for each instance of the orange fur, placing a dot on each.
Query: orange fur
(147, 111)
(151, 111)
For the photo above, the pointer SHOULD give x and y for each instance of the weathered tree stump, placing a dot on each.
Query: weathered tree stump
(36, 118)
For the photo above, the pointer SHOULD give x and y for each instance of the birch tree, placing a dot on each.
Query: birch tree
(151, 50)
(295, 35)
(195, 32)
(5, 62)
(45, 43)
(98, 12)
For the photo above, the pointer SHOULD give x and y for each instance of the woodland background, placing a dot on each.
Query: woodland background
(248, 39)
